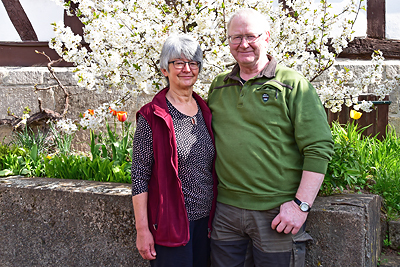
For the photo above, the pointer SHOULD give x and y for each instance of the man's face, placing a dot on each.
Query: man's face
(248, 54)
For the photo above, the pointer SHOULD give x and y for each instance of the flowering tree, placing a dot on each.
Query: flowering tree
(125, 38)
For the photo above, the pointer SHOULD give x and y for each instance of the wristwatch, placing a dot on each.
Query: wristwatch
(304, 206)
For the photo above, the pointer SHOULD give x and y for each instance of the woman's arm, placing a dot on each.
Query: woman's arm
(144, 238)
(142, 161)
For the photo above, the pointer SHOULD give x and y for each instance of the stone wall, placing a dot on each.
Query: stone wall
(53, 222)
(17, 92)
(50, 222)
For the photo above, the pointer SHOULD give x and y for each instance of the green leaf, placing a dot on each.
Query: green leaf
(6, 172)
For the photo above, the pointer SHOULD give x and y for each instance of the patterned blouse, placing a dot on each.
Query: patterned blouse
(195, 158)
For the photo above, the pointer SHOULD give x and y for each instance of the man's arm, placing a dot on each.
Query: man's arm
(144, 238)
(290, 217)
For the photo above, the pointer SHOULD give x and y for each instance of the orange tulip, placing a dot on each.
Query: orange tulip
(114, 112)
(91, 111)
(122, 115)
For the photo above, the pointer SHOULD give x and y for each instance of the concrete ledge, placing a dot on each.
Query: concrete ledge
(51, 222)
(346, 231)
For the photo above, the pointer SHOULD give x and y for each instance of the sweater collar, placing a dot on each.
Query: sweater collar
(268, 71)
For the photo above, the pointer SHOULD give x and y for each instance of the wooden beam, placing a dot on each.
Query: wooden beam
(362, 48)
(23, 54)
(73, 21)
(20, 20)
(376, 19)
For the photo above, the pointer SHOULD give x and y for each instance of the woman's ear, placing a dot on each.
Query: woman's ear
(165, 72)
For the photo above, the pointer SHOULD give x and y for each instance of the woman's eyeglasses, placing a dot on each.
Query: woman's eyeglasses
(180, 64)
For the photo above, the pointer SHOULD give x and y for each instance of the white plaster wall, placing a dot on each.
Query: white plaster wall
(41, 13)
(393, 19)
(360, 26)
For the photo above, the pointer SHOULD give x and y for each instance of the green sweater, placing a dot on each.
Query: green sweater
(267, 131)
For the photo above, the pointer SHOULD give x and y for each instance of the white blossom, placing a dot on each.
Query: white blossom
(125, 40)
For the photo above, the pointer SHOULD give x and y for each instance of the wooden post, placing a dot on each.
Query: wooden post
(376, 19)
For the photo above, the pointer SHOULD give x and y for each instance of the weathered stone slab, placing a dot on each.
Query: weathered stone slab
(345, 230)
(52, 222)
(24, 76)
(394, 234)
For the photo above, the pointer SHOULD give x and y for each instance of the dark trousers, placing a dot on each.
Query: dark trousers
(196, 253)
(234, 229)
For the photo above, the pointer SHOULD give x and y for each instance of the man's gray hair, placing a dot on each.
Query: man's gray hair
(254, 15)
(178, 46)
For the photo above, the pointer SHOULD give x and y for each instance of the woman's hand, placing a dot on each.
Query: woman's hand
(145, 244)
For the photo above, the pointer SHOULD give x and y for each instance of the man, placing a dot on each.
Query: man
(273, 146)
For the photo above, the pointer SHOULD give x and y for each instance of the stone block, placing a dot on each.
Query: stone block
(394, 234)
(65, 76)
(16, 98)
(3, 74)
(358, 67)
(52, 222)
(25, 76)
(5, 134)
(345, 231)
(392, 68)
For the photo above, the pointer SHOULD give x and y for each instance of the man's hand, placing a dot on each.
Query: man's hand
(290, 218)
(145, 244)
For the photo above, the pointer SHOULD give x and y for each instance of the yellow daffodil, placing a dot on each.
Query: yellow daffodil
(355, 115)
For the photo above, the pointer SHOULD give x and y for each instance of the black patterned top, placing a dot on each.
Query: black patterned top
(195, 158)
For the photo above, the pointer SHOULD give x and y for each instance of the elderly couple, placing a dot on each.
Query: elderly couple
(265, 152)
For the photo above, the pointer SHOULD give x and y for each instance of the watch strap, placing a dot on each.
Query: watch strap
(297, 201)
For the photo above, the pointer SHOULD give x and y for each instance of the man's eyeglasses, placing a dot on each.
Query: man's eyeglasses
(180, 64)
(237, 39)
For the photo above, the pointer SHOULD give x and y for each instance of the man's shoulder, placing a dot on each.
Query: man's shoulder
(288, 75)
(284, 71)
(222, 75)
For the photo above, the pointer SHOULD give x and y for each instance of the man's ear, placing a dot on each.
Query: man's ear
(267, 36)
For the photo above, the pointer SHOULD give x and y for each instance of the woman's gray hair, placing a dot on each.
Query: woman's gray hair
(254, 15)
(178, 46)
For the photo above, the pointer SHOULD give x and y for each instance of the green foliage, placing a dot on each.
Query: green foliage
(387, 242)
(22, 163)
(6, 149)
(365, 164)
(62, 141)
(112, 146)
(13, 165)
(27, 138)
(347, 168)
(110, 162)
(84, 168)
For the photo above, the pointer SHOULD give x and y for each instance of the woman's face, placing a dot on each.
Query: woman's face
(181, 78)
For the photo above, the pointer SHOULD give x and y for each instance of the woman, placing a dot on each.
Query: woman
(173, 179)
